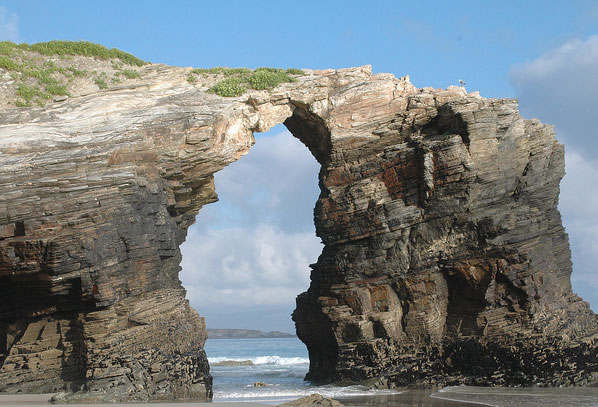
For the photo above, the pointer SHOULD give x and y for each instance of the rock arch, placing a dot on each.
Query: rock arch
(432, 201)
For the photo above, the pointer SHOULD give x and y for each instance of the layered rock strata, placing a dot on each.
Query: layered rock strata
(438, 215)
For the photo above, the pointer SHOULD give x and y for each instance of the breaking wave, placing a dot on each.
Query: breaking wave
(263, 360)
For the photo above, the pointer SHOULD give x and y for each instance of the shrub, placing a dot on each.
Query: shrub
(101, 83)
(100, 80)
(38, 79)
(57, 90)
(8, 64)
(240, 72)
(27, 92)
(85, 48)
(130, 74)
(75, 71)
(7, 48)
(30, 94)
(268, 79)
(294, 71)
(229, 87)
(237, 80)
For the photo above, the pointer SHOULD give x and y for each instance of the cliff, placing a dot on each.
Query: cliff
(445, 259)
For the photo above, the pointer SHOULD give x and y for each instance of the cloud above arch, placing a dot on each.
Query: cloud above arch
(248, 255)
(561, 88)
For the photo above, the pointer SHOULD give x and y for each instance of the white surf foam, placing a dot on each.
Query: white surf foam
(274, 391)
(263, 360)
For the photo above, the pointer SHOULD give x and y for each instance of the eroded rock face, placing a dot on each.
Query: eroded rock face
(445, 261)
(438, 214)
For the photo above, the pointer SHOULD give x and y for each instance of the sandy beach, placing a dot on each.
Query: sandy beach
(471, 396)
(411, 398)
(408, 398)
(44, 399)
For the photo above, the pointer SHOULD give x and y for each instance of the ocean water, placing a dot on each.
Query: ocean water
(282, 364)
(279, 363)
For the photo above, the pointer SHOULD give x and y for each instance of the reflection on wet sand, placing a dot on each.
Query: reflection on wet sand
(408, 398)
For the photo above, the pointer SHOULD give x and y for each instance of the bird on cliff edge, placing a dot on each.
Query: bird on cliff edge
(461, 82)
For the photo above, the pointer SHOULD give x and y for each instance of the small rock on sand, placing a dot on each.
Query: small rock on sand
(314, 400)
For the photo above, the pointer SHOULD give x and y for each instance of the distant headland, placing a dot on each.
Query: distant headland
(245, 333)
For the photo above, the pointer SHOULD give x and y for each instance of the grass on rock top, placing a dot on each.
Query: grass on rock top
(84, 48)
(39, 79)
(237, 80)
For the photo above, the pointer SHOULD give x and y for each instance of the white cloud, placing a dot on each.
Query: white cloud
(9, 25)
(244, 268)
(248, 256)
(561, 88)
(579, 189)
(579, 206)
(570, 56)
(276, 182)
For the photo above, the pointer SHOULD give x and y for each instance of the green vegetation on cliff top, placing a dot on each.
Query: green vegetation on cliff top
(39, 80)
(60, 48)
(237, 80)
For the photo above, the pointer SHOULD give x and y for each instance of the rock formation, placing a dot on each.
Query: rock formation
(313, 400)
(445, 259)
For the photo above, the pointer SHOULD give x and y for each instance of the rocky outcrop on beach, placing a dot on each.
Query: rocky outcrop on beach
(438, 213)
(315, 400)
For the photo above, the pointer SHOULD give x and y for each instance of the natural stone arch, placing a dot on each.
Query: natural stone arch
(428, 197)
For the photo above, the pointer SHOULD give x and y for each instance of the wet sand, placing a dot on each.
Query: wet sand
(43, 400)
(409, 398)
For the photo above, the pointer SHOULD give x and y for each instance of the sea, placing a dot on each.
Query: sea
(237, 365)
(270, 371)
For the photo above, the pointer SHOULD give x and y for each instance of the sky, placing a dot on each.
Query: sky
(247, 256)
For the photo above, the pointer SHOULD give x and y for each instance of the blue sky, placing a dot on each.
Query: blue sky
(543, 52)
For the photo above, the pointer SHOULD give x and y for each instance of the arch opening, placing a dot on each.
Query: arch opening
(247, 257)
